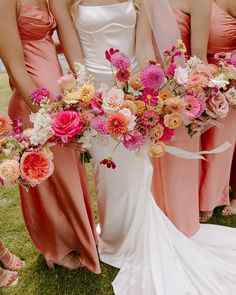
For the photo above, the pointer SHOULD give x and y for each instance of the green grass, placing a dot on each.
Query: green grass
(36, 278)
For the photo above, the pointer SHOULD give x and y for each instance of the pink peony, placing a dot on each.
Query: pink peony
(150, 119)
(99, 124)
(38, 95)
(152, 76)
(67, 125)
(5, 125)
(217, 105)
(195, 106)
(133, 141)
(121, 61)
(150, 96)
(36, 167)
(67, 82)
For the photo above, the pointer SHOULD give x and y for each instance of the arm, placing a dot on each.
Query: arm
(144, 43)
(66, 32)
(11, 51)
(200, 11)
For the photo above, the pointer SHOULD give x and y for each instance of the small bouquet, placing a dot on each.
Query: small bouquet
(22, 160)
(141, 112)
(210, 91)
(69, 116)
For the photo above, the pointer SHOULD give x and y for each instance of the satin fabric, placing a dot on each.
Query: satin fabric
(153, 256)
(179, 202)
(57, 213)
(214, 187)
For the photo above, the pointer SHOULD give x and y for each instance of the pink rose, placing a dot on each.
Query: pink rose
(67, 82)
(67, 125)
(36, 167)
(217, 105)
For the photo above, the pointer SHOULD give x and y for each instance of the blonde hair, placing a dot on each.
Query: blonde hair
(73, 7)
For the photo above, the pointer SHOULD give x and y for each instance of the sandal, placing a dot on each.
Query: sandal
(229, 210)
(205, 216)
(14, 263)
(70, 261)
(8, 279)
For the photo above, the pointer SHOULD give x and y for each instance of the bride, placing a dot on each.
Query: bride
(153, 256)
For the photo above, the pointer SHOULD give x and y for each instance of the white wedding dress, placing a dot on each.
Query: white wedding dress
(153, 256)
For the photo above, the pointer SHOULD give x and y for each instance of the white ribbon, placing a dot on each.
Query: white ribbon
(196, 155)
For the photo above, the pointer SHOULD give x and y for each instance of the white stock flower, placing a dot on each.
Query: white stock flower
(219, 81)
(41, 130)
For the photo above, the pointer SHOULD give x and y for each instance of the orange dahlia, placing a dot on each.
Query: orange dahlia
(117, 124)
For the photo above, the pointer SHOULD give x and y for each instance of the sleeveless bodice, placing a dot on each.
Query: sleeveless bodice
(222, 31)
(183, 21)
(104, 27)
(36, 27)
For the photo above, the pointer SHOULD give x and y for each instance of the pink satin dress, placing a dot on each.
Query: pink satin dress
(215, 175)
(175, 180)
(57, 213)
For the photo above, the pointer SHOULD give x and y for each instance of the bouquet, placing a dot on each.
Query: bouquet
(140, 112)
(70, 114)
(210, 90)
(23, 160)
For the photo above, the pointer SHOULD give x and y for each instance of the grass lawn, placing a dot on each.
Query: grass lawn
(36, 278)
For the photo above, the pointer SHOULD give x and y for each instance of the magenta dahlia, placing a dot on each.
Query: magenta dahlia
(152, 76)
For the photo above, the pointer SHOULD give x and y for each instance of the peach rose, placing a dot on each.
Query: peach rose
(136, 82)
(5, 125)
(112, 100)
(156, 132)
(9, 171)
(157, 150)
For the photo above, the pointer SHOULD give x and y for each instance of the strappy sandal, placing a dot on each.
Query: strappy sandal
(229, 211)
(205, 216)
(8, 279)
(70, 261)
(14, 263)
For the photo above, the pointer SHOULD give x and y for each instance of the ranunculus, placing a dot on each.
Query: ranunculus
(172, 120)
(130, 118)
(112, 100)
(67, 82)
(5, 125)
(156, 133)
(36, 167)
(157, 150)
(181, 75)
(67, 125)
(217, 105)
(9, 171)
(136, 82)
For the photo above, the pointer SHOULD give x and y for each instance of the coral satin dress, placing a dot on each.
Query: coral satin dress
(215, 176)
(175, 180)
(57, 213)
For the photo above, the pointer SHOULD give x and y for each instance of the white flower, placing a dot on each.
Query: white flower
(112, 100)
(86, 139)
(42, 128)
(193, 62)
(127, 113)
(231, 97)
(219, 81)
(181, 75)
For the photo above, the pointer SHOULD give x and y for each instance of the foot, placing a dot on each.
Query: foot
(8, 278)
(11, 261)
(205, 216)
(230, 210)
(70, 261)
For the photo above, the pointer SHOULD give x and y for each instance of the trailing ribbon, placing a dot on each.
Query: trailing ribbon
(196, 155)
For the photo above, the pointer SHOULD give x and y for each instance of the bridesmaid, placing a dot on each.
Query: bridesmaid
(214, 187)
(175, 180)
(57, 213)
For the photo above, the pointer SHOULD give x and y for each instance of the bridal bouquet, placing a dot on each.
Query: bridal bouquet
(23, 160)
(210, 90)
(140, 112)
